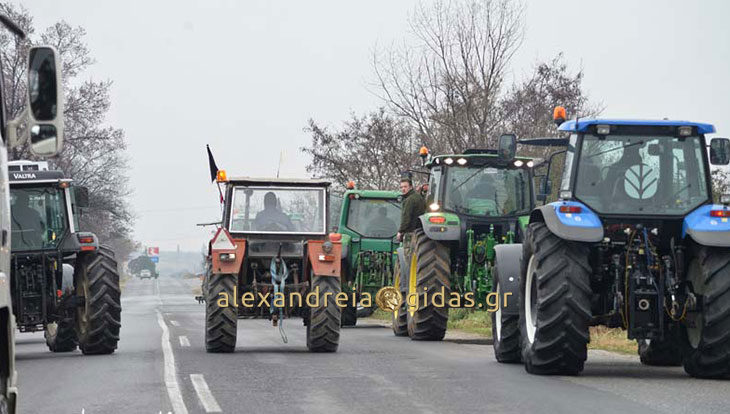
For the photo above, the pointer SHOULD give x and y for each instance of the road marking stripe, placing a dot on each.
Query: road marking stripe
(204, 395)
(175, 323)
(173, 389)
(184, 341)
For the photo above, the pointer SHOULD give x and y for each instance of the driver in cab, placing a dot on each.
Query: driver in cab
(271, 218)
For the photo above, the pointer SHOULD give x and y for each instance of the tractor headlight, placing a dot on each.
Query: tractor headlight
(434, 207)
(603, 129)
(461, 161)
(449, 161)
(519, 163)
(684, 131)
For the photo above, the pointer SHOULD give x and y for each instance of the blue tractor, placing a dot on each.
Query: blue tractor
(633, 241)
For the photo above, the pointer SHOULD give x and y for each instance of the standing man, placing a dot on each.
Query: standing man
(412, 207)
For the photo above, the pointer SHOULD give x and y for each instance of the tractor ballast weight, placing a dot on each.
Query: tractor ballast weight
(477, 202)
(368, 223)
(273, 242)
(634, 241)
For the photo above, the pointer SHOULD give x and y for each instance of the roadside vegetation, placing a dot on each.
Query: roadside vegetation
(480, 323)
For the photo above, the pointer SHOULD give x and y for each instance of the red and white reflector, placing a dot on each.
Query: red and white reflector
(222, 241)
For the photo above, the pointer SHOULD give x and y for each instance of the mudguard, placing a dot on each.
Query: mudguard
(705, 229)
(447, 226)
(507, 267)
(222, 243)
(583, 227)
(325, 264)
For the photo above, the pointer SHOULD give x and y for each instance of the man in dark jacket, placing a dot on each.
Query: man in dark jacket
(412, 207)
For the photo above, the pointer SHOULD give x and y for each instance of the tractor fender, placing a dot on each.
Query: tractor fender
(582, 227)
(705, 229)
(449, 229)
(223, 243)
(324, 264)
(507, 266)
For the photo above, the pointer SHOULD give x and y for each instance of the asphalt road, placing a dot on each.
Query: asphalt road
(373, 371)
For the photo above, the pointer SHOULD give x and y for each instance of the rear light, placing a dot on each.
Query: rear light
(571, 209)
(88, 248)
(720, 213)
(437, 219)
(335, 237)
(227, 257)
(86, 239)
(326, 258)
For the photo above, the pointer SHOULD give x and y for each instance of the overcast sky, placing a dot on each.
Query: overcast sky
(244, 77)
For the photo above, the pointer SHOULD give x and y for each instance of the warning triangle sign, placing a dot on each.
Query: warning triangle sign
(222, 241)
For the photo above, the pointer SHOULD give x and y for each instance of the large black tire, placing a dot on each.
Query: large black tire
(558, 305)
(707, 333)
(349, 312)
(99, 320)
(505, 328)
(432, 271)
(220, 321)
(660, 353)
(399, 318)
(61, 336)
(323, 327)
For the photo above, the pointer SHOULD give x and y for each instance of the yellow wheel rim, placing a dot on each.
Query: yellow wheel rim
(412, 279)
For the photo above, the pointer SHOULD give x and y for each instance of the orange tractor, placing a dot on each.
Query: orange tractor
(272, 258)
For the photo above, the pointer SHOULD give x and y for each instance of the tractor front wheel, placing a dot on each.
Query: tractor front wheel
(660, 353)
(429, 275)
(98, 321)
(61, 336)
(707, 339)
(555, 303)
(220, 321)
(323, 327)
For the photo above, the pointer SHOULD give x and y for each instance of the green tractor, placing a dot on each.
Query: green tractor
(368, 223)
(475, 202)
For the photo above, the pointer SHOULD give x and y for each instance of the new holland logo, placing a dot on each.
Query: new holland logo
(24, 176)
(641, 182)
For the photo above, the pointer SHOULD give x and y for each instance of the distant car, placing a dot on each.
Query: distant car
(145, 274)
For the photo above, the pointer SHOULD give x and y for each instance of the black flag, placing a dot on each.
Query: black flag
(211, 163)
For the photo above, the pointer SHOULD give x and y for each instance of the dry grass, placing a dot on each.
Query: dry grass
(611, 339)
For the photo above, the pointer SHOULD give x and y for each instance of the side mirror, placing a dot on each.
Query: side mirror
(81, 195)
(507, 146)
(45, 102)
(720, 151)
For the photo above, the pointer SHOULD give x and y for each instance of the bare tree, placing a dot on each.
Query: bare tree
(373, 150)
(93, 153)
(720, 183)
(448, 84)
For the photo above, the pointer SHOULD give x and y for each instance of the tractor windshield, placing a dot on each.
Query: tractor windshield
(38, 216)
(634, 174)
(372, 217)
(278, 210)
(486, 191)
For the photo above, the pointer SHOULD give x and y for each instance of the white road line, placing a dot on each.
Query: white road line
(184, 341)
(204, 395)
(173, 389)
(175, 323)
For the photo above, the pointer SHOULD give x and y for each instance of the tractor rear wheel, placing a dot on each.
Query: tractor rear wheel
(660, 353)
(555, 303)
(323, 327)
(399, 318)
(98, 321)
(220, 321)
(707, 338)
(505, 327)
(61, 336)
(429, 274)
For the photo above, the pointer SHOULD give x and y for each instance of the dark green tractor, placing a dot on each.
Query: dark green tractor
(369, 221)
(476, 201)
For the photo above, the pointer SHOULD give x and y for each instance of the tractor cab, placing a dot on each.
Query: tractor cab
(44, 208)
